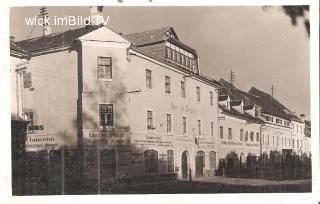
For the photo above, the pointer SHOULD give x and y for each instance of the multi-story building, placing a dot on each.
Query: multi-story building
(139, 99)
(279, 128)
(239, 128)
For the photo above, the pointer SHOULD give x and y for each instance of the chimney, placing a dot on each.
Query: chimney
(96, 17)
(302, 116)
(12, 39)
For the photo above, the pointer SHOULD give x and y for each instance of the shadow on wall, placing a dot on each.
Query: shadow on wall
(102, 165)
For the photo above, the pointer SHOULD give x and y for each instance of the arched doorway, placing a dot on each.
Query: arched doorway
(150, 162)
(184, 164)
(200, 163)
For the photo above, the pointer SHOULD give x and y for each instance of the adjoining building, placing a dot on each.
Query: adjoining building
(239, 128)
(279, 128)
(139, 99)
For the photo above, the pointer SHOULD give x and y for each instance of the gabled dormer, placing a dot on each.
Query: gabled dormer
(224, 100)
(237, 105)
(250, 109)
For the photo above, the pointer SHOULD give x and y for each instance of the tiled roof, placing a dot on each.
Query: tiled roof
(270, 105)
(222, 97)
(248, 107)
(235, 103)
(237, 114)
(234, 93)
(148, 37)
(55, 40)
(17, 51)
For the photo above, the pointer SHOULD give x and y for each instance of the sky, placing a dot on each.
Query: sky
(260, 46)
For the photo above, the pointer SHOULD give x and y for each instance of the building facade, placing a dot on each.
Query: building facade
(139, 99)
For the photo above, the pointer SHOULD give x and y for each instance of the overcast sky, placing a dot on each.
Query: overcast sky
(260, 46)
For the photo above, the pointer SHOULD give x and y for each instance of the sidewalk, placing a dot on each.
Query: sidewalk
(249, 182)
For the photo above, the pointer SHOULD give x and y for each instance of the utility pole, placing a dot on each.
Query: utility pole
(232, 77)
(273, 90)
(43, 15)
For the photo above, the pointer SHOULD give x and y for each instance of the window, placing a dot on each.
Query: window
(289, 140)
(150, 120)
(199, 127)
(30, 118)
(285, 141)
(251, 136)
(297, 128)
(150, 162)
(281, 141)
(169, 123)
(292, 143)
(167, 84)
(211, 128)
(257, 137)
(106, 115)
(278, 121)
(169, 54)
(263, 139)
(211, 98)
(183, 89)
(273, 140)
(246, 135)
(178, 57)
(221, 131)
(229, 133)
(27, 82)
(277, 140)
(198, 93)
(241, 134)
(297, 143)
(184, 125)
(170, 160)
(212, 159)
(148, 79)
(104, 68)
(268, 140)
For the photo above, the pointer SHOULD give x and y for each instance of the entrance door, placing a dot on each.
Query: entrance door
(200, 159)
(184, 165)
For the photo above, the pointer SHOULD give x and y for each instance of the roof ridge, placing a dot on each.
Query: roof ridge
(149, 30)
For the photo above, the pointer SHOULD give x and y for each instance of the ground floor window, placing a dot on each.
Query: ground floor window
(212, 160)
(150, 162)
(170, 160)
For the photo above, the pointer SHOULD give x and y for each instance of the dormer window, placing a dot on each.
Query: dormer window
(180, 56)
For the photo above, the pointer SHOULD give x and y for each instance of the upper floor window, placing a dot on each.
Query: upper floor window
(150, 124)
(221, 131)
(30, 118)
(104, 67)
(148, 79)
(183, 89)
(184, 125)
(169, 123)
(257, 137)
(278, 121)
(27, 82)
(167, 84)
(211, 98)
(241, 134)
(199, 127)
(251, 136)
(230, 133)
(198, 93)
(106, 115)
(211, 128)
(246, 136)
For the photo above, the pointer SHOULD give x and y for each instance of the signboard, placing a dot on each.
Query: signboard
(42, 142)
(152, 140)
(112, 136)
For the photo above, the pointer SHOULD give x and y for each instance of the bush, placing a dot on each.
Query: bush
(274, 167)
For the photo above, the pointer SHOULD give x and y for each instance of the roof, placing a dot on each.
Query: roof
(56, 39)
(237, 114)
(236, 103)
(17, 51)
(222, 97)
(270, 105)
(148, 37)
(248, 107)
(234, 93)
